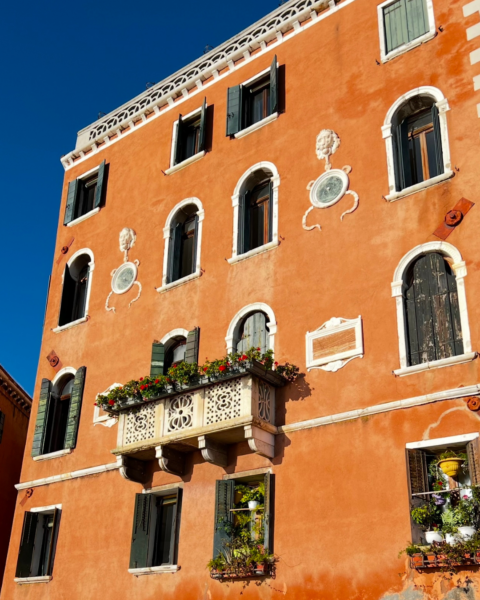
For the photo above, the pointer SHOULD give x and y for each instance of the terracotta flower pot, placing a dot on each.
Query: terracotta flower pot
(451, 466)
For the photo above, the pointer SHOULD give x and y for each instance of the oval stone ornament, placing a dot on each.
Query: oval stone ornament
(124, 278)
(329, 188)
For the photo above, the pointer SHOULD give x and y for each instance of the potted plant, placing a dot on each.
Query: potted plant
(450, 462)
(465, 511)
(252, 496)
(428, 516)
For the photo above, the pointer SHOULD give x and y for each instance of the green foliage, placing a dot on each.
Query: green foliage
(450, 521)
(410, 550)
(249, 493)
(427, 516)
(452, 454)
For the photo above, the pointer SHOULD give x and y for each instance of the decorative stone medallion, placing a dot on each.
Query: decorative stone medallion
(329, 188)
(124, 278)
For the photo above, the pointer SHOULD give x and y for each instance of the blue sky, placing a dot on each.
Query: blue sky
(61, 64)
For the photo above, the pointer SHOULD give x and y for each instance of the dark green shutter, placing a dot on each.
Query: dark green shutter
(27, 541)
(2, 424)
(176, 527)
(75, 408)
(195, 244)
(158, 359)
(193, 342)
(417, 479)
(234, 110)
(203, 127)
(473, 453)
(101, 185)
(274, 86)
(406, 170)
(71, 199)
(181, 129)
(144, 504)
(270, 211)
(269, 481)
(224, 498)
(395, 25)
(437, 134)
(68, 297)
(417, 20)
(42, 416)
(51, 546)
(174, 251)
(242, 209)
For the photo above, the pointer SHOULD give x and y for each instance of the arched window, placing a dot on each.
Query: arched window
(176, 346)
(58, 410)
(183, 234)
(253, 326)
(255, 203)
(416, 137)
(175, 350)
(432, 314)
(76, 287)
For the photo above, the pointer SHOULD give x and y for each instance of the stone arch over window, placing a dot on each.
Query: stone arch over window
(175, 346)
(77, 284)
(432, 317)
(255, 211)
(416, 141)
(246, 327)
(183, 242)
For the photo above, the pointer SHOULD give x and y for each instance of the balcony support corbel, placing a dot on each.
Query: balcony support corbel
(260, 441)
(132, 469)
(171, 461)
(213, 452)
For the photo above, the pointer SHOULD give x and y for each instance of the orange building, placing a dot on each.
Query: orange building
(308, 188)
(15, 405)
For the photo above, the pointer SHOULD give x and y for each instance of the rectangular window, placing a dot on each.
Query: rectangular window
(38, 541)
(403, 22)
(189, 135)
(86, 194)
(253, 101)
(156, 527)
(421, 145)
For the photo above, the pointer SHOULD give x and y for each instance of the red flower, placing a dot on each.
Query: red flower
(174, 365)
(258, 349)
(142, 387)
(205, 369)
(222, 368)
(157, 381)
(243, 357)
(95, 404)
(111, 402)
(169, 380)
(141, 378)
(276, 363)
(465, 497)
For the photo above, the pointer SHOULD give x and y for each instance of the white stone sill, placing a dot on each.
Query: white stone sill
(256, 126)
(154, 570)
(426, 37)
(436, 364)
(185, 163)
(69, 325)
(26, 580)
(51, 455)
(179, 282)
(254, 252)
(84, 217)
(418, 187)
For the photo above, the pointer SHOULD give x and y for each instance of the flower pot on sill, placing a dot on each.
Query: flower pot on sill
(477, 557)
(260, 569)
(252, 504)
(466, 533)
(417, 560)
(430, 557)
(433, 536)
(451, 538)
(451, 466)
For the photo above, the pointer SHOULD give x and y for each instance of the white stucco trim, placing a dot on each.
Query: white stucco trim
(174, 333)
(398, 289)
(50, 455)
(235, 323)
(166, 237)
(84, 217)
(446, 441)
(105, 420)
(254, 252)
(70, 325)
(258, 125)
(154, 570)
(430, 34)
(46, 509)
(442, 105)
(436, 364)
(185, 163)
(264, 165)
(66, 476)
(78, 253)
(418, 187)
(28, 580)
(61, 373)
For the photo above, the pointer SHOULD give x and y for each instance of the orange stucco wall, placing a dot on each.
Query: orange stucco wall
(341, 491)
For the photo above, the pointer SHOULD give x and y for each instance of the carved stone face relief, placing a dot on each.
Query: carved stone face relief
(124, 278)
(332, 185)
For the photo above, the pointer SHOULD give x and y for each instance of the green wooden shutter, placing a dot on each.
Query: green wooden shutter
(417, 479)
(2, 424)
(395, 25)
(438, 142)
(224, 497)
(404, 156)
(196, 241)
(234, 110)
(270, 211)
(268, 518)
(68, 295)
(174, 251)
(101, 185)
(176, 528)
(51, 546)
(27, 541)
(42, 416)
(193, 342)
(473, 453)
(417, 19)
(203, 127)
(158, 359)
(242, 209)
(274, 86)
(179, 145)
(71, 199)
(144, 505)
(75, 408)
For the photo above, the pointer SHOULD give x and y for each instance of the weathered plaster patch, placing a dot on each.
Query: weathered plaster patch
(426, 433)
(409, 594)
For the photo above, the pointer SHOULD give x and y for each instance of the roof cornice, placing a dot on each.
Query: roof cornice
(287, 17)
(14, 392)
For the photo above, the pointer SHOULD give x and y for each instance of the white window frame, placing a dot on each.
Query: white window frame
(335, 361)
(91, 265)
(268, 166)
(398, 289)
(455, 440)
(105, 420)
(162, 490)
(429, 35)
(236, 322)
(166, 236)
(45, 510)
(442, 105)
(92, 212)
(188, 161)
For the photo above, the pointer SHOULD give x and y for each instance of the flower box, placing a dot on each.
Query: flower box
(259, 570)
(417, 561)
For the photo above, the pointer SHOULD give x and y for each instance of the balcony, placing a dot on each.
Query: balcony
(207, 415)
